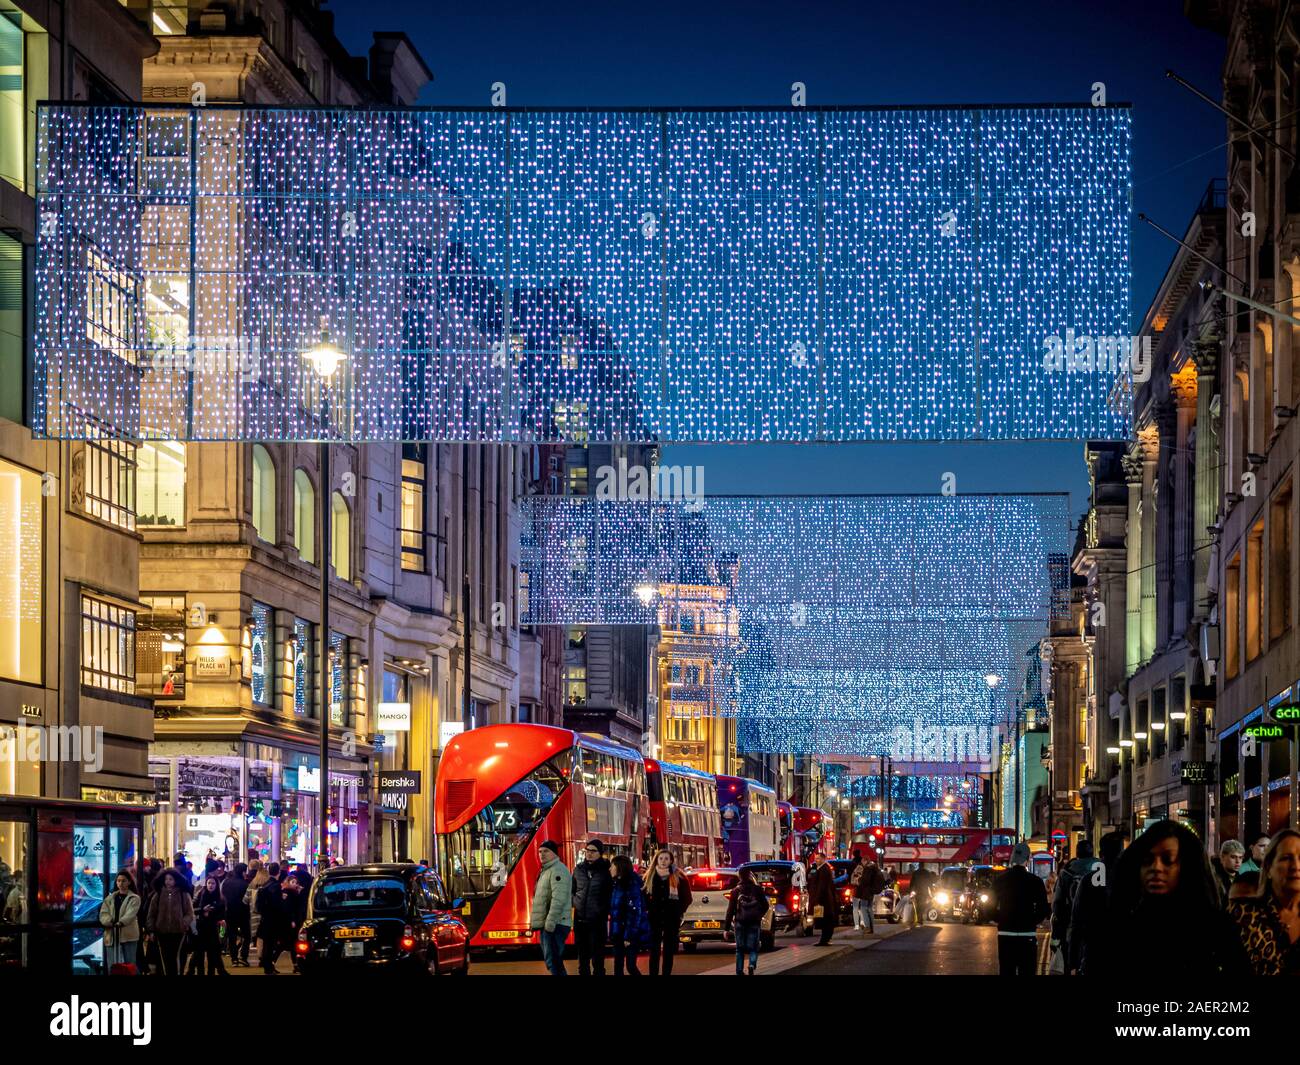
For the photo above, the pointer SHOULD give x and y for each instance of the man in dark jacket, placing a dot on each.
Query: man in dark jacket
(592, 887)
(233, 887)
(821, 892)
(870, 883)
(1021, 905)
(1088, 913)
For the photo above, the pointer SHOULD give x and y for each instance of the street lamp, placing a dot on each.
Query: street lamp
(325, 358)
(992, 680)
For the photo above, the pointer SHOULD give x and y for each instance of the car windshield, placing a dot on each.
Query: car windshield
(358, 895)
(771, 876)
(953, 878)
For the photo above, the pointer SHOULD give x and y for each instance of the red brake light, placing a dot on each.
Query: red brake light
(301, 946)
(407, 941)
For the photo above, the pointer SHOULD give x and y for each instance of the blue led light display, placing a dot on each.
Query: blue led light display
(796, 274)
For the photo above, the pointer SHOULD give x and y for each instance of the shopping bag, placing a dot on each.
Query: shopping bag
(819, 912)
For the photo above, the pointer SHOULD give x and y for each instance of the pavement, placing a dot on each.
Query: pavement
(799, 954)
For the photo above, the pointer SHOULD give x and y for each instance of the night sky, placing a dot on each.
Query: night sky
(932, 52)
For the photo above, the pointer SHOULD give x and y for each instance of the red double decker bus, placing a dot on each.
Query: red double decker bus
(748, 811)
(684, 814)
(502, 790)
(813, 832)
(785, 827)
(900, 848)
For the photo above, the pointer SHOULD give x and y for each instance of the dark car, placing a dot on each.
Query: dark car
(789, 903)
(382, 917)
(977, 900)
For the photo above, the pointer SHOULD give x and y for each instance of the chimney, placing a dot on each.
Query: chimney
(396, 70)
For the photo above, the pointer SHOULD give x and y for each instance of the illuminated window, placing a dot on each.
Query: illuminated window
(341, 537)
(107, 645)
(575, 685)
(13, 138)
(11, 326)
(577, 480)
(413, 475)
(110, 307)
(22, 573)
(523, 594)
(263, 494)
(571, 420)
(110, 481)
(569, 353)
(304, 516)
(160, 647)
(160, 483)
(262, 648)
(304, 678)
(338, 678)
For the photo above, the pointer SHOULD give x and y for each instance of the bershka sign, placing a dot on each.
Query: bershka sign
(401, 782)
(120, 1019)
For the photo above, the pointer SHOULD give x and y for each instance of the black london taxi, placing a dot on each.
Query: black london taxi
(382, 917)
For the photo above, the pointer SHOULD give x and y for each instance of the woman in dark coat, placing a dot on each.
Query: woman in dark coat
(668, 895)
(1163, 919)
(629, 925)
(209, 912)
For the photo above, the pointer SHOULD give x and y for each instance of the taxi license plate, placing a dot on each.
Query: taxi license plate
(354, 948)
(708, 924)
(363, 932)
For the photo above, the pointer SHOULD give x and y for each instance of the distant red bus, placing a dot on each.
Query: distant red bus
(502, 790)
(934, 848)
(813, 833)
(750, 832)
(785, 826)
(684, 814)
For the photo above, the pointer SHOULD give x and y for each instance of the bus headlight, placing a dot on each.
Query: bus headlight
(942, 898)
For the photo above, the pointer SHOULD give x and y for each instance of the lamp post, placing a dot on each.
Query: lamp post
(325, 359)
(992, 680)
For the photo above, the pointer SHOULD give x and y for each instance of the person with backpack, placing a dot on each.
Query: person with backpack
(629, 923)
(1067, 884)
(1091, 899)
(1021, 905)
(745, 912)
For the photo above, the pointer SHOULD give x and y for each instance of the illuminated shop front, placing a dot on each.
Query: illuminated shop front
(244, 799)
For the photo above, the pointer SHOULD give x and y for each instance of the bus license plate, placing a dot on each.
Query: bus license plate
(363, 932)
(354, 948)
(505, 935)
(708, 924)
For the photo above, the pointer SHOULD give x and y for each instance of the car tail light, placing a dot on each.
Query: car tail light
(407, 942)
(301, 946)
(794, 899)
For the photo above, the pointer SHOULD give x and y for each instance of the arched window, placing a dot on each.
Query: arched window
(263, 494)
(341, 537)
(304, 516)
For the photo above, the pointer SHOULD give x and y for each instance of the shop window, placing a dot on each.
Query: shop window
(160, 483)
(304, 516)
(1279, 563)
(22, 572)
(1254, 590)
(303, 674)
(1232, 617)
(339, 676)
(264, 494)
(160, 647)
(107, 645)
(262, 654)
(414, 467)
(109, 481)
(340, 537)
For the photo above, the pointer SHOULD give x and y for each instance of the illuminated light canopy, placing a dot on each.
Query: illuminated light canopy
(784, 274)
(856, 624)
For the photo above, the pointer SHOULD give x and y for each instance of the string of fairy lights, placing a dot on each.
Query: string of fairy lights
(785, 274)
(832, 624)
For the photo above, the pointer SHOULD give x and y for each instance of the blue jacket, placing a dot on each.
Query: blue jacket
(628, 919)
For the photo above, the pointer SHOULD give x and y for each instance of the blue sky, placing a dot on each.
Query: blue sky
(677, 54)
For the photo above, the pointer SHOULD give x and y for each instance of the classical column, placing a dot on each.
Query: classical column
(1166, 501)
(1182, 393)
(1208, 437)
(1133, 465)
(1150, 450)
